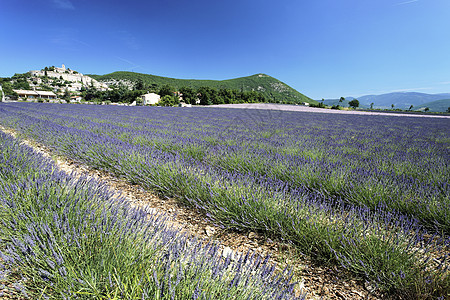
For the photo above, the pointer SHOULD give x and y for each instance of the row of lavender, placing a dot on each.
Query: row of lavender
(370, 161)
(356, 190)
(66, 238)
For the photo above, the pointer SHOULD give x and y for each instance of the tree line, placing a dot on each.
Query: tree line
(170, 96)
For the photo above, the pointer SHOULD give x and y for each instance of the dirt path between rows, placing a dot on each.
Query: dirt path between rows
(317, 281)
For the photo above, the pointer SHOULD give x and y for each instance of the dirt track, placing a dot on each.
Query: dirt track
(301, 108)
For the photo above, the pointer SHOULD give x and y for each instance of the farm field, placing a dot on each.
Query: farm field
(369, 194)
(64, 237)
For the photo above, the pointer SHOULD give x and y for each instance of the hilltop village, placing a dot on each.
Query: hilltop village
(61, 84)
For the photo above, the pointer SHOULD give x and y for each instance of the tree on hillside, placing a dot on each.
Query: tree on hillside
(139, 85)
(168, 100)
(392, 106)
(448, 109)
(166, 90)
(342, 99)
(189, 95)
(66, 95)
(426, 109)
(371, 105)
(229, 96)
(205, 95)
(21, 84)
(411, 107)
(7, 87)
(354, 103)
(90, 94)
(153, 88)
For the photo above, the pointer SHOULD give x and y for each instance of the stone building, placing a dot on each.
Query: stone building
(150, 98)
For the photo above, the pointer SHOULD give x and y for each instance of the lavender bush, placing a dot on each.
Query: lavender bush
(369, 193)
(69, 239)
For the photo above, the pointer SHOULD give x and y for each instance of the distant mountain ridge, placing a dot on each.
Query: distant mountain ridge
(435, 106)
(401, 100)
(272, 88)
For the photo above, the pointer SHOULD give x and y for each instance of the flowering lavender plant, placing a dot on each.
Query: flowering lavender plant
(369, 193)
(71, 239)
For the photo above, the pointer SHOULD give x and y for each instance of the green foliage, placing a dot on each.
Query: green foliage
(166, 90)
(168, 100)
(207, 95)
(45, 87)
(66, 95)
(115, 95)
(354, 103)
(319, 105)
(139, 84)
(273, 89)
(7, 88)
(19, 82)
(22, 76)
(189, 95)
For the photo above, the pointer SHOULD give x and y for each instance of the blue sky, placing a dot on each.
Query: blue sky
(322, 48)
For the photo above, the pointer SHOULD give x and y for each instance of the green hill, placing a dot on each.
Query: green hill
(272, 88)
(435, 106)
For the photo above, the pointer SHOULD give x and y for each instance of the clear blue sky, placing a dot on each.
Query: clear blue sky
(322, 48)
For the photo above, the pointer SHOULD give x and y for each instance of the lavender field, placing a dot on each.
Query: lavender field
(68, 238)
(369, 194)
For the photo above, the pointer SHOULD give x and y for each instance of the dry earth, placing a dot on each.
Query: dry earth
(317, 281)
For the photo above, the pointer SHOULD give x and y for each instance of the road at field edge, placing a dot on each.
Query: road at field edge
(301, 108)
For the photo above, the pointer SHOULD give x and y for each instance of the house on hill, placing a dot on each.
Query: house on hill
(35, 94)
(150, 98)
(46, 94)
(76, 99)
